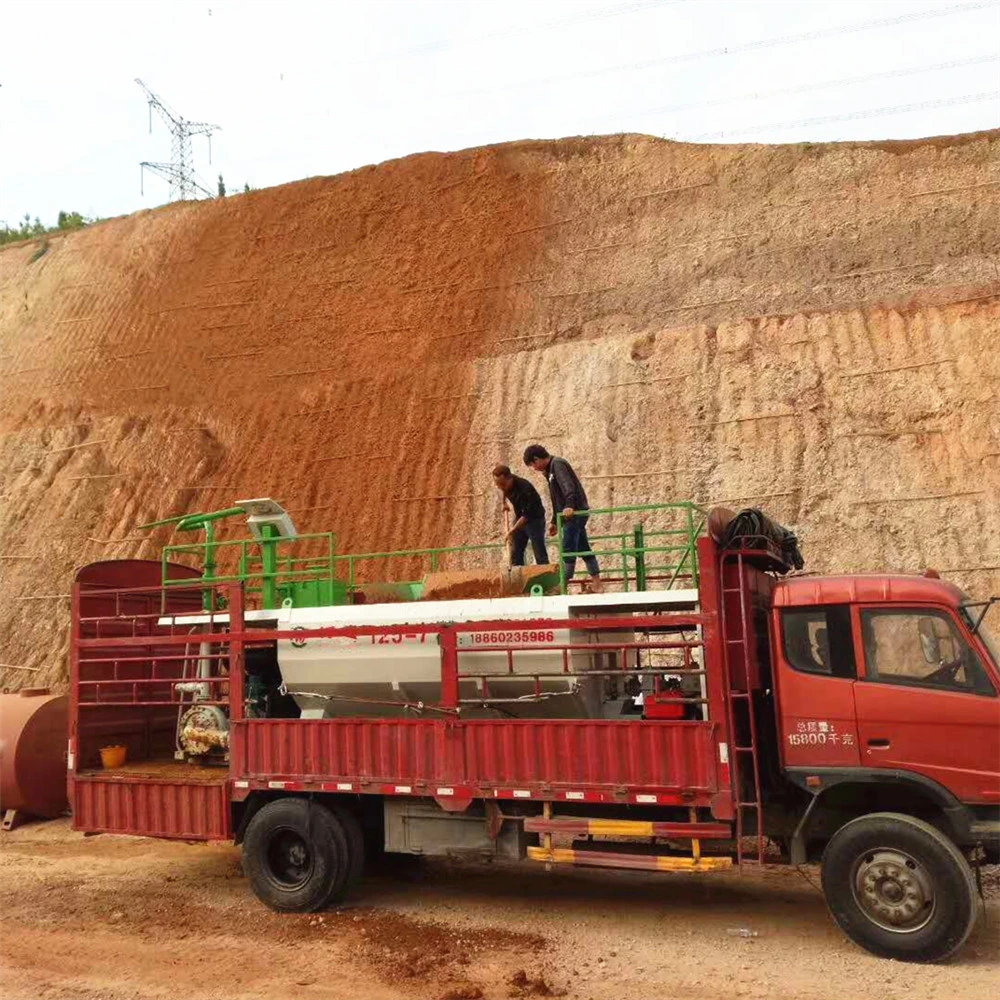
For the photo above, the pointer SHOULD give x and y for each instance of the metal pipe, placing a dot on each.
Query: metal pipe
(193, 521)
(173, 703)
(640, 557)
(551, 694)
(576, 673)
(683, 644)
(145, 659)
(162, 681)
(269, 558)
(204, 668)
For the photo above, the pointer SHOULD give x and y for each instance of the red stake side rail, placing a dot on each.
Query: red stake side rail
(125, 664)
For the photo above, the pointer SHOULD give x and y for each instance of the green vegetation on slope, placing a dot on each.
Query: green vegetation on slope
(29, 230)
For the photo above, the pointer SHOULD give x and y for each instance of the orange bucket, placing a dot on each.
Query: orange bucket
(112, 756)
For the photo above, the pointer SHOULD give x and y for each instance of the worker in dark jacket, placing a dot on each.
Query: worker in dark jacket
(529, 516)
(569, 499)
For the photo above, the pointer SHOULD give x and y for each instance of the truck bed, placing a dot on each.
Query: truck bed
(169, 770)
(657, 763)
(154, 798)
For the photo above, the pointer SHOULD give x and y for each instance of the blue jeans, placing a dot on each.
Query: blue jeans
(574, 539)
(533, 531)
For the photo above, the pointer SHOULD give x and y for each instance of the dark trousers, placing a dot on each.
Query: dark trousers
(574, 539)
(533, 531)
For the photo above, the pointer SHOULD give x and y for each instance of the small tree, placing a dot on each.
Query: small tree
(222, 187)
(70, 220)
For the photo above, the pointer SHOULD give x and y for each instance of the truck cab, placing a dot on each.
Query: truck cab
(888, 716)
(884, 678)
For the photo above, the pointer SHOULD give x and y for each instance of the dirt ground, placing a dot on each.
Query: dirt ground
(122, 918)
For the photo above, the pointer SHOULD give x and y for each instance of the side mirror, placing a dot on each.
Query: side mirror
(930, 644)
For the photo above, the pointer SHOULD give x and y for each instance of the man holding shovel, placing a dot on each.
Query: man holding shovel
(529, 517)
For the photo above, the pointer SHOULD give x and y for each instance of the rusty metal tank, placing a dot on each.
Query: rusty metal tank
(34, 727)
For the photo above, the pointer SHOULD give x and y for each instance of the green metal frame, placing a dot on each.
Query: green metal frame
(630, 549)
(266, 567)
(273, 576)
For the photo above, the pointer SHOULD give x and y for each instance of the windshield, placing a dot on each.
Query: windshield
(971, 614)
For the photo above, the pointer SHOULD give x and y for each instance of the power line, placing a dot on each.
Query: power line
(895, 109)
(602, 12)
(803, 88)
(728, 50)
(595, 14)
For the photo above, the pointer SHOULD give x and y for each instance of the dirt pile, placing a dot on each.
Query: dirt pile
(807, 327)
(515, 582)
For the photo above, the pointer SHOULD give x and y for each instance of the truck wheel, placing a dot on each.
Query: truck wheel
(295, 854)
(899, 887)
(355, 846)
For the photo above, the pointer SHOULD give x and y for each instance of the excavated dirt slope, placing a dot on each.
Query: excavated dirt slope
(812, 328)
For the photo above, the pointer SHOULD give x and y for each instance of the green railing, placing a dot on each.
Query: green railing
(259, 565)
(656, 553)
(309, 580)
(627, 557)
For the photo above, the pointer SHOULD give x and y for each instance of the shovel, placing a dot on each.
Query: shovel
(508, 563)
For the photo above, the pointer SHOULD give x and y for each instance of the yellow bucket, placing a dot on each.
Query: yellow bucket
(112, 756)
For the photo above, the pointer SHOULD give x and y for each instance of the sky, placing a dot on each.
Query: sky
(304, 88)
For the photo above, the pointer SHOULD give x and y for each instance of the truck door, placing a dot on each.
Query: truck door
(816, 671)
(925, 702)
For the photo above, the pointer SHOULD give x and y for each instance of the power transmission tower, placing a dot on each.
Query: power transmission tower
(184, 182)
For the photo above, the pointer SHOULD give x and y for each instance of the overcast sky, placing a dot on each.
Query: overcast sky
(304, 88)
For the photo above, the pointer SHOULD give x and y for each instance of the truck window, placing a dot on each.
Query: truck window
(920, 647)
(818, 640)
(971, 615)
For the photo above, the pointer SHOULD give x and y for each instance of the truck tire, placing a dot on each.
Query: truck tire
(295, 855)
(355, 846)
(899, 887)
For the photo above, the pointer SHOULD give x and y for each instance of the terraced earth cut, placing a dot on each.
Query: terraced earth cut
(808, 327)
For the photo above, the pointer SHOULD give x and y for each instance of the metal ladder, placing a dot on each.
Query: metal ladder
(741, 753)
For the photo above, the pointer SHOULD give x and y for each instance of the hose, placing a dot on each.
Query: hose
(752, 524)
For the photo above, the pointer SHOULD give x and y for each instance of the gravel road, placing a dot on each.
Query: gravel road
(122, 918)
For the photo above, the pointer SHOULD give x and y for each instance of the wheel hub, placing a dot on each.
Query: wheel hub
(289, 858)
(893, 890)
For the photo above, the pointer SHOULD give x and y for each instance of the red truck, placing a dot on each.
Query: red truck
(709, 712)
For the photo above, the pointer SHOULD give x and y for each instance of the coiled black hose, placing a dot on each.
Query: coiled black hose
(752, 523)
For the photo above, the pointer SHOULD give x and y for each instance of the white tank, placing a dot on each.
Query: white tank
(343, 676)
(380, 675)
